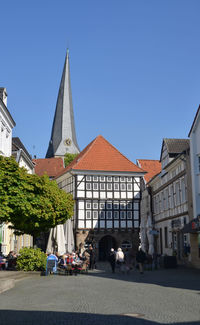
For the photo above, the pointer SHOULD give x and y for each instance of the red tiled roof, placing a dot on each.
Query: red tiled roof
(49, 166)
(100, 155)
(153, 167)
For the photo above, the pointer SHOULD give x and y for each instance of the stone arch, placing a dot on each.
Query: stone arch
(105, 244)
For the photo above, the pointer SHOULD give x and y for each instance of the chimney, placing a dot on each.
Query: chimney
(3, 95)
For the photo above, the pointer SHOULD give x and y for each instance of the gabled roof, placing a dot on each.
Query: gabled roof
(49, 166)
(195, 119)
(7, 112)
(100, 155)
(175, 146)
(17, 144)
(152, 167)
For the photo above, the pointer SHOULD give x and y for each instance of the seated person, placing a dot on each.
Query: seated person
(62, 261)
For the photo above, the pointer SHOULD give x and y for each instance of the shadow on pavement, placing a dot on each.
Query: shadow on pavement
(181, 277)
(20, 317)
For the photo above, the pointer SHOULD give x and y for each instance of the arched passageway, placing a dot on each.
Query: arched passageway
(105, 245)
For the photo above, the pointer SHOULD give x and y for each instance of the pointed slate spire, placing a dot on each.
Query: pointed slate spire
(63, 135)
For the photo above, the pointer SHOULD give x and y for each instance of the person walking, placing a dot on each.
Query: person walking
(112, 259)
(92, 257)
(120, 258)
(140, 259)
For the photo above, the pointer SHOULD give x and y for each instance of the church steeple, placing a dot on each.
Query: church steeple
(63, 135)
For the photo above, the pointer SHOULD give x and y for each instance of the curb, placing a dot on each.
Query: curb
(7, 285)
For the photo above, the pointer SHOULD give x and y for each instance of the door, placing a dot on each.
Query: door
(105, 245)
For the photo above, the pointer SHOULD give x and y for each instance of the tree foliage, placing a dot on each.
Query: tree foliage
(69, 157)
(31, 203)
(31, 259)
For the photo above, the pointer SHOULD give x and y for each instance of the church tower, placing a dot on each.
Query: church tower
(63, 135)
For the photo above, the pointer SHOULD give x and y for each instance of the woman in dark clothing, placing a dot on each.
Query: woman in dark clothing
(140, 258)
(92, 257)
(112, 259)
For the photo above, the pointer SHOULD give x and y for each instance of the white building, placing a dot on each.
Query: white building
(193, 228)
(21, 155)
(6, 125)
(106, 189)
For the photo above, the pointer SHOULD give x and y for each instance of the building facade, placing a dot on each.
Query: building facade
(6, 126)
(106, 189)
(152, 167)
(193, 228)
(172, 200)
(24, 160)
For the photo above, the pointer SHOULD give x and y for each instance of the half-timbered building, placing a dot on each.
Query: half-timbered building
(106, 189)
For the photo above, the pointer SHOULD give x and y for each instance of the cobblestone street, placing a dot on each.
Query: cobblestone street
(157, 297)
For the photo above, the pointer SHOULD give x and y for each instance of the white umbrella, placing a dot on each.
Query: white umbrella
(150, 236)
(56, 241)
(69, 236)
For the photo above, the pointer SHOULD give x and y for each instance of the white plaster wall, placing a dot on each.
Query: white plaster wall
(194, 153)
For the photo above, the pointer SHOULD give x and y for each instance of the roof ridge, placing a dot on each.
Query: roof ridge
(150, 159)
(121, 153)
(76, 159)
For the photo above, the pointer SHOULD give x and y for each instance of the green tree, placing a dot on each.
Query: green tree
(32, 204)
(69, 157)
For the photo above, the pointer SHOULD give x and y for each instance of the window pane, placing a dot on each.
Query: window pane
(88, 186)
(95, 214)
(95, 186)
(122, 214)
(109, 186)
(116, 214)
(102, 186)
(88, 214)
(109, 214)
(116, 186)
(88, 205)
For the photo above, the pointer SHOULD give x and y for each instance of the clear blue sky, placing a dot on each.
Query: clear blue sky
(135, 67)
